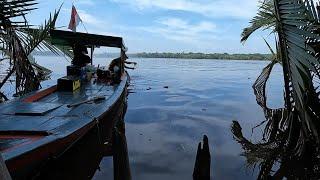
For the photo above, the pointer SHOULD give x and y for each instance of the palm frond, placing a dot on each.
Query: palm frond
(18, 40)
(39, 38)
(265, 19)
(274, 117)
(260, 84)
(12, 16)
(256, 153)
(42, 72)
(14, 12)
(297, 26)
(294, 130)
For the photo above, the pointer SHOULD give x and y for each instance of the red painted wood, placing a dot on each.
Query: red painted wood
(44, 152)
(29, 138)
(41, 94)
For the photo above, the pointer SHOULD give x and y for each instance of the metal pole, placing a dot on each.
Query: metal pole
(92, 49)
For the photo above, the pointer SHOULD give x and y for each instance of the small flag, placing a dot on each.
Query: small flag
(75, 19)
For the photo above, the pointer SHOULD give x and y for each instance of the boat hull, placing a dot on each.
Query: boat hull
(82, 160)
(26, 164)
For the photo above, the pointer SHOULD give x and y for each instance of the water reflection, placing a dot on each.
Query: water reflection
(164, 125)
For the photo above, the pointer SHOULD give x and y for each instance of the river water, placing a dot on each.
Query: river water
(173, 103)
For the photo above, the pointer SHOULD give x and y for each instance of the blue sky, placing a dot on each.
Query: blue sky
(164, 25)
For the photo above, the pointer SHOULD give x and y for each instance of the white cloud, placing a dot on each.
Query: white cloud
(183, 31)
(86, 2)
(88, 18)
(210, 8)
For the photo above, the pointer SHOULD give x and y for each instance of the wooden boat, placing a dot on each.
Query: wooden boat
(41, 126)
(82, 161)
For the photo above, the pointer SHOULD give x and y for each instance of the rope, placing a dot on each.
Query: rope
(84, 26)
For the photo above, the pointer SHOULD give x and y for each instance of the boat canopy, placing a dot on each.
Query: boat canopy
(69, 38)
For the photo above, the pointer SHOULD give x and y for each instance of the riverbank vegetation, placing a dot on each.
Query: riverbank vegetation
(191, 55)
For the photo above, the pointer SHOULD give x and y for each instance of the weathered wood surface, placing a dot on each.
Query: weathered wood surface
(4, 174)
(59, 128)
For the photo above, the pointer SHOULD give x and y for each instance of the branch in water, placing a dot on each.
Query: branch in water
(3, 96)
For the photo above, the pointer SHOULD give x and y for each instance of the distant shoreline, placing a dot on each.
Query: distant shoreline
(221, 56)
(212, 56)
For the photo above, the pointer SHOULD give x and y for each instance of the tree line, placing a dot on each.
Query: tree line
(191, 55)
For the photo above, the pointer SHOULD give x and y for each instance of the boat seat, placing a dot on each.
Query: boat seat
(29, 109)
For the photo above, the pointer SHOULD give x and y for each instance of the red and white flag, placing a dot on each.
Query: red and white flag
(75, 19)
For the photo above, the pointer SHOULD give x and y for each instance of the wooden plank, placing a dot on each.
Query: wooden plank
(41, 94)
(30, 109)
(4, 173)
(12, 123)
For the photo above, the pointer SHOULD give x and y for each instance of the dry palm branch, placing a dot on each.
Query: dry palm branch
(17, 41)
(11, 44)
(293, 131)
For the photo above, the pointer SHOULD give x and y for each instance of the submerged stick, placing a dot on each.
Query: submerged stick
(203, 161)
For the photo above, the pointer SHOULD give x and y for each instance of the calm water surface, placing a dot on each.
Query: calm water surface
(164, 125)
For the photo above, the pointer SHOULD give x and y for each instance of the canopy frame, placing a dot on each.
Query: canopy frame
(69, 38)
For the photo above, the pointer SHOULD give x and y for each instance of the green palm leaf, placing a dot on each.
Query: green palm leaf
(265, 19)
(12, 17)
(15, 32)
(294, 130)
(297, 26)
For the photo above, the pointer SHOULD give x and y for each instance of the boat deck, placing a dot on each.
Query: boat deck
(30, 124)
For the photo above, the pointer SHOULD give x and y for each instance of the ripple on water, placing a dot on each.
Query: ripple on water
(164, 126)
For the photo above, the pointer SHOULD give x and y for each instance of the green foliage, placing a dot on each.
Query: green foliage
(190, 55)
(265, 20)
(18, 40)
(299, 37)
(293, 130)
(39, 38)
(12, 17)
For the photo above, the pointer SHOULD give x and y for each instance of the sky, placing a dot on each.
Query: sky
(207, 26)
